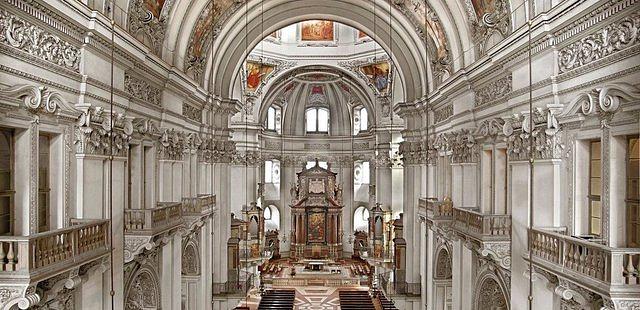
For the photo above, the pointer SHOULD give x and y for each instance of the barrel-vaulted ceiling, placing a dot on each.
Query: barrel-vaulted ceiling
(182, 32)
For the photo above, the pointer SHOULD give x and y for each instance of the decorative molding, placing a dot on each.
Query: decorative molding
(497, 21)
(443, 113)
(33, 40)
(611, 39)
(140, 89)
(192, 112)
(495, 91)
(546, 135)
(149, 24)
(93, 133)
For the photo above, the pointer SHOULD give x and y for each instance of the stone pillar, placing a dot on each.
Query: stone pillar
(222, 218)
(412, 184)
(287, 182)
(429, 287)
(176, 275)
(423, 261)
(345, 177)
(95, 173)
(26, 179)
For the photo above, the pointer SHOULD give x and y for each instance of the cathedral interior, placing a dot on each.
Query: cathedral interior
(320, 154)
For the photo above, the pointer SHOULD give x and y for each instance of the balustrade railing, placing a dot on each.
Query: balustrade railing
(152, 221)
(437, 209)
(79, 243)
(198, 205)
(482, 226)
(394, 287)
(613, 266)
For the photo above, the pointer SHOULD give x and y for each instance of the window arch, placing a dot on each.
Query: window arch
(274, 119)
(360, 120)
(361, 219)
(317, 120)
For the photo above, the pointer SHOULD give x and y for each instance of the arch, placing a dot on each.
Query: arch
(361, 219)
(408, 49)
(273, 221)
(143, 291)
(490, 291)
(253, 227)
(191, 259)
(442, 264)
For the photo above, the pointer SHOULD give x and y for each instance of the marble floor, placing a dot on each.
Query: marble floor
(309, 298)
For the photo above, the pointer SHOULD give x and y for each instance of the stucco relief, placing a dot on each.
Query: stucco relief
(148, 21)
(35, 41)
(613, 38)
(100, 132)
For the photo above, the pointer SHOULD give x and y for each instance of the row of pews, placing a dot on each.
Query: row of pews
(277, 299)
(355, 300)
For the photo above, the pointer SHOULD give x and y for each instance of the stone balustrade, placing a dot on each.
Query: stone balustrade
(197, 206)
(437, 210)
(611, 268)
(165, 216)
(483, 227)
(46, 254)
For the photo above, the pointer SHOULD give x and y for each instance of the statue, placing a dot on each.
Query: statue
(295, 192)
(338, 192)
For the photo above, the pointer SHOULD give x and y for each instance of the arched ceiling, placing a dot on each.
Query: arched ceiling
(180, 31)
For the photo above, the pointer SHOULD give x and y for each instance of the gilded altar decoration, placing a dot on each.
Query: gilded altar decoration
(316, 214)
(378, 74)
(317, 30)
(257, 73)
(316, 227)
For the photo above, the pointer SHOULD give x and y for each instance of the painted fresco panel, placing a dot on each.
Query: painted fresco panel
(317, 30)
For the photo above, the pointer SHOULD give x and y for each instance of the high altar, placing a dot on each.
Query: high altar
(316, 215)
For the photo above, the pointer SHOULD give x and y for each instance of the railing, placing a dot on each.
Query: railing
(233, 287)
(482, 226)
(613, 266)
(196, 206)
(395, 287)
(152, 221)
(437, 209)
(81, 242)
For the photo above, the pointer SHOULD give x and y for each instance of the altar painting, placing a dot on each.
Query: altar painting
(378, 74)
(316, 227)
(317, 30)
(256, 73)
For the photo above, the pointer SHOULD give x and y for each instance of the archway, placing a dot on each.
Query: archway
(255, 21)
(361, 219)
(143, 291)
(490, 292)
(442, 279)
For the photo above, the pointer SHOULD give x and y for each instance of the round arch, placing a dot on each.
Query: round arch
(442, 264)
(143, 291)
(490, 291)
(408, 48)
(361, 219)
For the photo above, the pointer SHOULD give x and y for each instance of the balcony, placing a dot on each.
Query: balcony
(608, 271)
(482, 227)
(391, 287)
(437, 210)
(237, 288)
(198, 206)
(151, 222)
(27, 259)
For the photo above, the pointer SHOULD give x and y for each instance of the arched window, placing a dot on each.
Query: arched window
(274, 119)
(360, 120)
(317, 120)
(271, 218)
(361, 172)
(272, 171)
(361, 219)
